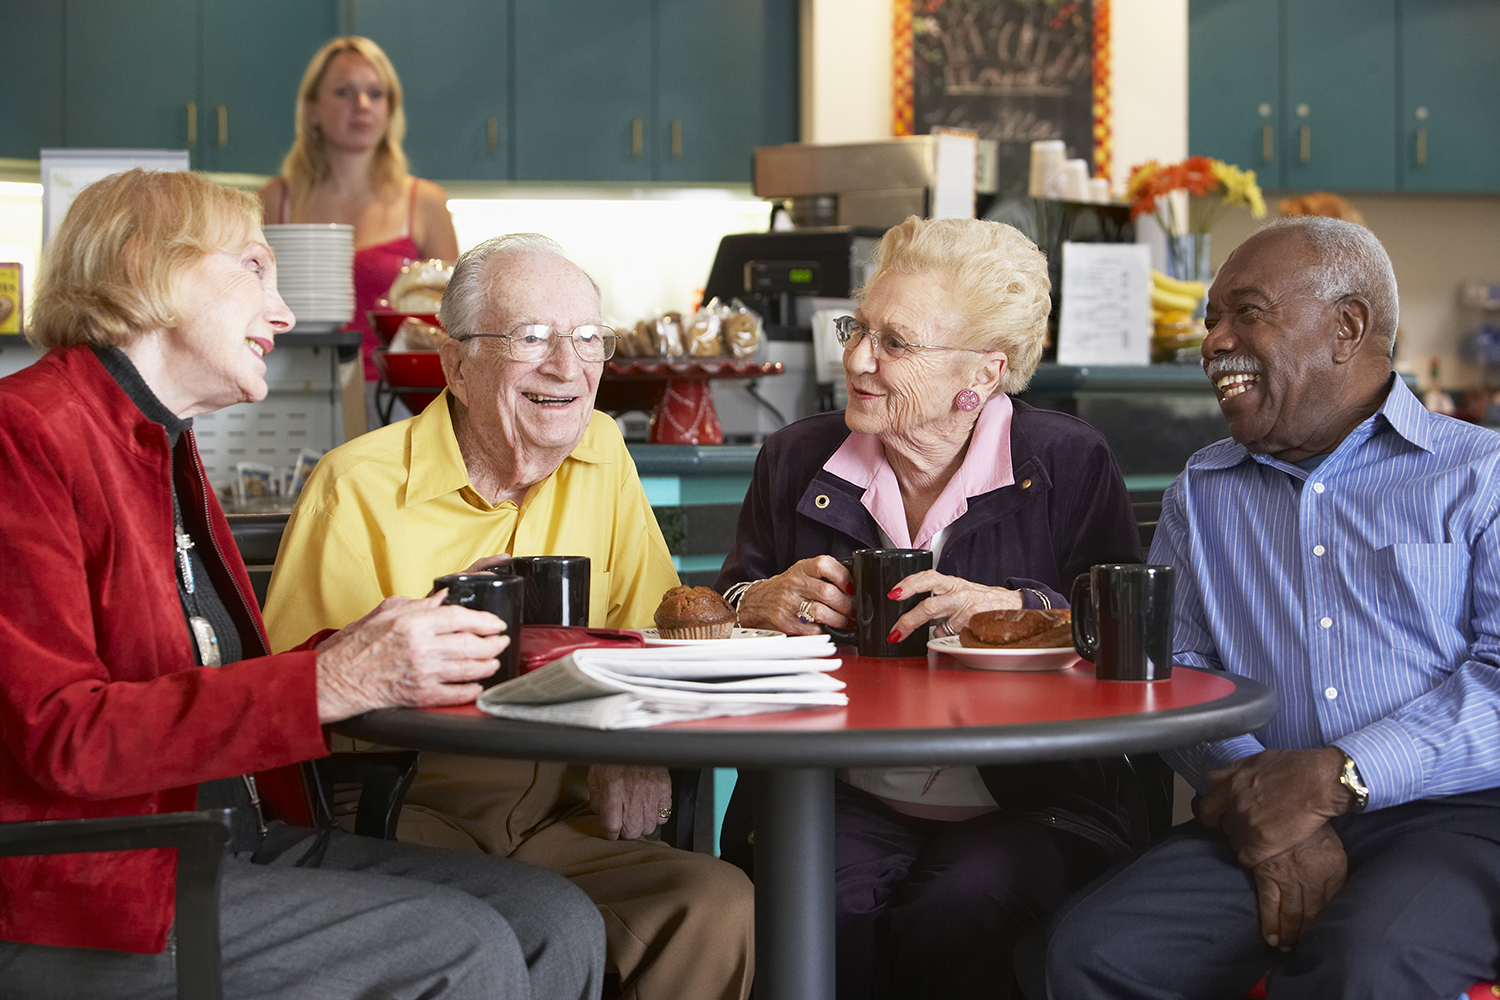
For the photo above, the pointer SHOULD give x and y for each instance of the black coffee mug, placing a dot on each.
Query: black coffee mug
(500, 594)
(1122, 621)
(557, 589)
(875, 572)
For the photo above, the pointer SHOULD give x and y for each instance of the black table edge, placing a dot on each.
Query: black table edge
(1250, 706)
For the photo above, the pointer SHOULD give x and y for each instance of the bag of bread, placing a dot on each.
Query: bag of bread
(702, 334)
(415, 335)
(419, 287)
(669, 334)
(740, 329)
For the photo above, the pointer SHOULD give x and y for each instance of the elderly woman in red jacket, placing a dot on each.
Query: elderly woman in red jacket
(940, 870)
(135, 676)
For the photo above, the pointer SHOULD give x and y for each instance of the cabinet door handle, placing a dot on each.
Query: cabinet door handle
(192, 136)
(223, 126)
(1421, 147)
(1267, 144)
(635, 138)
(676, 138)
(1306, 144)
(492, 136)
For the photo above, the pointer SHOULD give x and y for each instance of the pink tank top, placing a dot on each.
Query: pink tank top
(375, 267)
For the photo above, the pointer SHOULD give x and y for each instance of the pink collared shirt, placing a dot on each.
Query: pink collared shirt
(952, 794)
(987, 466)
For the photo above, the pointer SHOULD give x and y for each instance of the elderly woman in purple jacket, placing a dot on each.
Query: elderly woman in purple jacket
(940, 870)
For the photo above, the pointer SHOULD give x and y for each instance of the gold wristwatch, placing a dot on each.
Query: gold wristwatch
(1350, 779)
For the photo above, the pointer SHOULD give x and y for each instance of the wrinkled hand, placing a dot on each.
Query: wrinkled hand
(407, 653)
(1270, 801)
(952, 598)
(1295, 885)
(486, 563)
(629, 800)
(822, 580)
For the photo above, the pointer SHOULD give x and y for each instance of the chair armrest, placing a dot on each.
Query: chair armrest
(383, 777)
(199, 837)
(691, 826)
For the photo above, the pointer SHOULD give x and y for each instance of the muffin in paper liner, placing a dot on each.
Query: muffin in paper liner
(715, 630)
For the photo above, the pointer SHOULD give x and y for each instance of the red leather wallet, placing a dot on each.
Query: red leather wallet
(541, 644)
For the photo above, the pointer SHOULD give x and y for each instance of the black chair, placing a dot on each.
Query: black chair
(199, 837)
(691, 826)
(1147, 514)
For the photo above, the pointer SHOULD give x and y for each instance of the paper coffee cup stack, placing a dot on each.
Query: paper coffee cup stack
(1053, 175)
(1047, 157)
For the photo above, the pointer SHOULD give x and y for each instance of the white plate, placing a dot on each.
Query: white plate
(653, 639)
(1019, 660)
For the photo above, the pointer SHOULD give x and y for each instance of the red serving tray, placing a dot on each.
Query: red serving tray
(385, 322)
(415, 376)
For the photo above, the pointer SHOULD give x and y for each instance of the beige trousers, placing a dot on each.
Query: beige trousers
(677, 924)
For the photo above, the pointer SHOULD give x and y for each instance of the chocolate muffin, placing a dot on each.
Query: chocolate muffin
(1034, 628)
(694, 613)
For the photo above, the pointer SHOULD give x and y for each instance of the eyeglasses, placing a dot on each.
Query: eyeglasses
(537, 341)
(851, 331)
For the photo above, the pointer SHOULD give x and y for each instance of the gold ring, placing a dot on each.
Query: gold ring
(664, 813)
(805, 613)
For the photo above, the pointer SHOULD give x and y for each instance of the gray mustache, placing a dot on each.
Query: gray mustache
(1231, 364)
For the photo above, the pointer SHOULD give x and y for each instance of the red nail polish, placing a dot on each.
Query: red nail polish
(849, 589)
(895, 636)
(895, 594)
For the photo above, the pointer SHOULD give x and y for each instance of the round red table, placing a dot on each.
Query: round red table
(900, 712)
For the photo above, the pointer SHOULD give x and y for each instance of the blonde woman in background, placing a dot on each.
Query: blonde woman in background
(347, 166)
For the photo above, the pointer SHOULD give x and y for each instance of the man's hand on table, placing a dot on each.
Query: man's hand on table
(1293, 887)
(629, 801)
(406, 652)
(1269, 802)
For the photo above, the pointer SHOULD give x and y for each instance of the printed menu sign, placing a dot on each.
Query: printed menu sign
(1106, 304)
(10, 298)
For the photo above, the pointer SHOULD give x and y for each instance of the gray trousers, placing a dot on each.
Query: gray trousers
(377, 920)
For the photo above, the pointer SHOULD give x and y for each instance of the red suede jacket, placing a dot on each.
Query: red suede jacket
(102, 709)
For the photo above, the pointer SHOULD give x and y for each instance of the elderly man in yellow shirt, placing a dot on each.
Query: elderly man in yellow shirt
(513, 460)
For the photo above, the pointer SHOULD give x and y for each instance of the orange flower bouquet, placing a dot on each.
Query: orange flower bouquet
(1187, 198)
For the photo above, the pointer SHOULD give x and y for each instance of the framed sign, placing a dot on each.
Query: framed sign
(1011, 70)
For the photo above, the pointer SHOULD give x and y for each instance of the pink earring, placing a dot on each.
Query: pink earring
(967, 400)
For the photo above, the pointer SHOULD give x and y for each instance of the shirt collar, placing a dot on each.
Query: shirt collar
(986, 467)
(1401, 411)
(435, 463)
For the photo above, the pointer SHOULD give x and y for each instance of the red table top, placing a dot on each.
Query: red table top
(937, 692)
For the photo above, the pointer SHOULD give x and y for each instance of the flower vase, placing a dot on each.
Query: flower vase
(1187, 260)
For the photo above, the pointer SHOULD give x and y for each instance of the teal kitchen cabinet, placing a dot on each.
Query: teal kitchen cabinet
(131, 74)
(1348, 95)
(1338, 119)
(253, 56)
(583, 108)
(726, 80)
(31, 117)
(454, 65)
(1234, 84)
(1449, 130)
(216, 77)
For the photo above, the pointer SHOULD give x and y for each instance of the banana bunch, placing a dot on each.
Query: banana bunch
(1171, 295)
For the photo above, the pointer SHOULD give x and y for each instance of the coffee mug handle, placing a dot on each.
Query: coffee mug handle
(1085, 642)
(842, 636)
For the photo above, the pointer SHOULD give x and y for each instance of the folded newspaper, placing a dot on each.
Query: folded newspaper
(632, 688)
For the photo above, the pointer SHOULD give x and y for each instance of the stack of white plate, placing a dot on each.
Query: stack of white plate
(315, 273)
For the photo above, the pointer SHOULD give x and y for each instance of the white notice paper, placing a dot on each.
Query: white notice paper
(1105, 317)
(954, 174)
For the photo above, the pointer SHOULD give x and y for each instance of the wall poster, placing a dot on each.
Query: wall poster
(1011, 70)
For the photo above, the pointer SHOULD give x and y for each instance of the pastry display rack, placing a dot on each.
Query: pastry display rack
(675, 390)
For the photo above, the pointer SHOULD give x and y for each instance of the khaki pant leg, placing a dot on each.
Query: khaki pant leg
(678, 925)
(474, 804)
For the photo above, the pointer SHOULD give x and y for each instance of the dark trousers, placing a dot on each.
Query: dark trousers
(377, 921)
(934, 910)
(1416, 919)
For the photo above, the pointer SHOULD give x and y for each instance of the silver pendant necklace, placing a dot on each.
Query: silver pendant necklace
(203, 630)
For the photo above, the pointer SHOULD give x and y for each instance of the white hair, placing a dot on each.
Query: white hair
(466, 300)
(1349, 260)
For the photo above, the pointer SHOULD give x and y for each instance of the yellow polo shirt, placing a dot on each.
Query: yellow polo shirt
(392, 510)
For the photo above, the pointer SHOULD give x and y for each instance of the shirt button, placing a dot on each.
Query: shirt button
(1326, 622)
(1317, 487)
(1330, 693)
(1318, 550)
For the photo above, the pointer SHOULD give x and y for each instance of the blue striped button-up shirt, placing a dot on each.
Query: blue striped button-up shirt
(1366, 593)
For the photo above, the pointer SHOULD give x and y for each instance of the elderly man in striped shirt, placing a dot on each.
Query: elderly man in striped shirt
(1344, 549)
